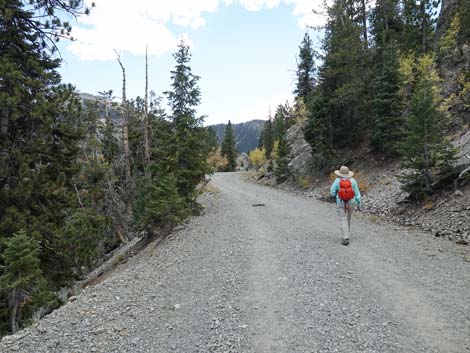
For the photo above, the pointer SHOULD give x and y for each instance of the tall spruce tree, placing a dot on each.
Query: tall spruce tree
(191, 165)
(282, 121)
(318, 131)
(387, 105)
(387, 25)
(281, 160)
(212, 140)
(419, 25)
(342, 78)
(42, 130)
(22, 278)
(305, 68)
(158, 203)
(424, 149)
(268, 138)
(228, 148)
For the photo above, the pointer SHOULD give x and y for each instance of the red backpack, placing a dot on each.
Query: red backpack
(346, 191)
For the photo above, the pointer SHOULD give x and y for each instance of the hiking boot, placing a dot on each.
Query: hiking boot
(345, 242)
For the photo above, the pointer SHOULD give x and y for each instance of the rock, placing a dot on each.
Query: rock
(73, 298)
(177, 306)
(467, 258)
(458, 193)
(462, 242)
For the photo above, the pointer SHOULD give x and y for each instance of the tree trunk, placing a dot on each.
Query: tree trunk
(146, 114)
(14, 302)
(364, 23)
(125, 121)
(125, 132)
(423, 25)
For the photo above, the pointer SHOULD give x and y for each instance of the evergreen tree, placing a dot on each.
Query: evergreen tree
(282, 121)
(268, 139)
(318, 131)
(387, 25)
(281, 170)
(42, 129)
(343, 76)
(159, 203)
(261, 138)
(425, 151)
(21, 279)
(212, 140)
(228, 148)
(305, 68)
(387, 128)
(464, 22)
(419, 25)
(191, 164)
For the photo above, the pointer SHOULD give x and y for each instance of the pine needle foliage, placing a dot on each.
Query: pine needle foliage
(229, 150)
(425, 151)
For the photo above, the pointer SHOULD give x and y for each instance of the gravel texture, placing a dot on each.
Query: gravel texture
(272, 278)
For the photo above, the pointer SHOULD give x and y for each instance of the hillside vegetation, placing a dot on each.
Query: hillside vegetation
(391, 87)
(82, 175)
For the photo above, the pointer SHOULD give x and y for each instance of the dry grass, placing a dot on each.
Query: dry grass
(373, 219)
(305, 181)
(362, 182)
(209, 188)
(428, 205)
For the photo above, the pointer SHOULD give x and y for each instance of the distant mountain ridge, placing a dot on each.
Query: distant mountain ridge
(246, 134)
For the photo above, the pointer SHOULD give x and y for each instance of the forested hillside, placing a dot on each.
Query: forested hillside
(392, 85)
(80, 177)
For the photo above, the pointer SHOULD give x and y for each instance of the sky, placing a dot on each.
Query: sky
(244, 50)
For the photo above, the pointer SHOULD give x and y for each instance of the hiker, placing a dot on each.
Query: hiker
(347, 194)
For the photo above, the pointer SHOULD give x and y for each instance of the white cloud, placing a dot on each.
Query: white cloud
(129, 27)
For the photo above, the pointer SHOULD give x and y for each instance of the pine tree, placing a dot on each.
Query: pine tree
(43, 129)
(425, 151)
(305, 68)
(159, 204)
(464, 21)
(387, 107)
(343, 76)
(282, 121)
(191, 165)
(318, 131)
(268, 139)
(387, 25)
(228, 148)
(419, 25)
(21, 279)
(281, 170)
(212, 140)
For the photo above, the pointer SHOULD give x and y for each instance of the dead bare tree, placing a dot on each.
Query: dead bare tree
(125, 142)
(125, 119)
(146, 119)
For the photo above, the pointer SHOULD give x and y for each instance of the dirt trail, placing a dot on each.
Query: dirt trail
(272, 278)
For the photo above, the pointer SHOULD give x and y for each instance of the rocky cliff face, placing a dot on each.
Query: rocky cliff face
(299, 150)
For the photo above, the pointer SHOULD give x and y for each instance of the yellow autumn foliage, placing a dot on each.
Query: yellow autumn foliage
(257, 157)
(216, 161)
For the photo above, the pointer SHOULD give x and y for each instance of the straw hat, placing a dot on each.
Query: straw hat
(344, 172)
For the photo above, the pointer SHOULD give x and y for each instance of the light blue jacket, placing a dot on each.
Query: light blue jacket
(335, 188)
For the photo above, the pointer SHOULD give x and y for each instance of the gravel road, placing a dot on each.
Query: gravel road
(272, 278)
